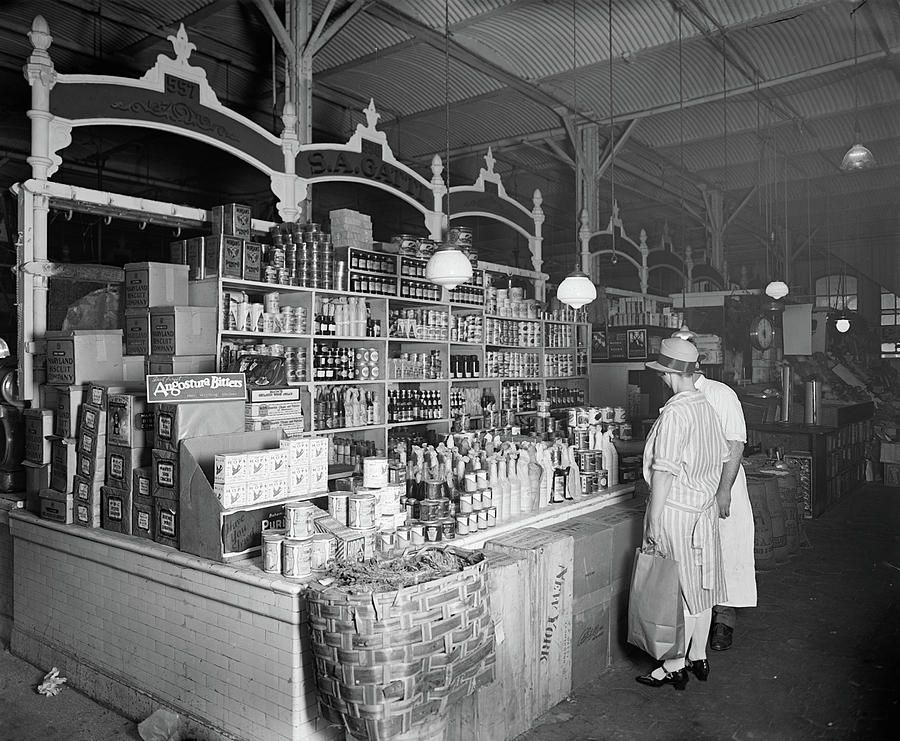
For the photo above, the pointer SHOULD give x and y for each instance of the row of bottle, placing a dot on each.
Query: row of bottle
(466, 295)
(466, 401)
(467, 328)
(416, 366)
(511, 364)
(559, 365)
(512, 333)
(558, 335)
(422, 324)
(345, 317)
(564, 396)
(378, 284)
(420, 290)
(465, 366)
(412, 268)
(336, 407)
(374, 262)
(519, 397)
(348, 451)
(334, 363)
(414, 405)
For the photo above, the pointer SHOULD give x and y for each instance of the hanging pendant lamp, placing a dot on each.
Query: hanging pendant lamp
(448, 266)
(577, 289)
(858, 157)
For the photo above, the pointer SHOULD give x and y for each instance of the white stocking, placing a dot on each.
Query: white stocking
(674, 665)
(702, 621)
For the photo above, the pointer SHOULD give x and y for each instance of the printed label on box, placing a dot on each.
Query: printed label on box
(143, 521)
(165, 473)
(167, 523)
(114, 508)
(116, 466)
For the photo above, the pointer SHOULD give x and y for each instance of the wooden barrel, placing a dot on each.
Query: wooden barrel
(763, 553)
(776, 514)
(787, 489)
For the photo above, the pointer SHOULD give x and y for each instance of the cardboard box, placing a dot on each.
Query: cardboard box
(173, 423)
(86, 491)
(63, 463)
(178, 252)
(183, 330)
(207, 529)
(166, 521)
(115, 510)
(38, 427)
(194, 256)
(77, 356)
(128, 421)
(142, 517)
(98, 392)
(890, 452)
(206, 292)
(167, 364)
(590, 637)
(56, 505)
(48, 396)
(90, 444)
(137, 331)
(121, 462)
(592, 542)
(253, 261)
(134, 368)
(142, 480)
(86, 514)
(164, 481)
(68, 402)
(232, 219)
(37, 477)
(90, 466)
(92, 419)
(318, 478)
(149, 284)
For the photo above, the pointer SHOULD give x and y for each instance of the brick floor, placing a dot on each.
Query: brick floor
(818, 659)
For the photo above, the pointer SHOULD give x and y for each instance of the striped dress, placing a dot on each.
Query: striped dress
(687, 441)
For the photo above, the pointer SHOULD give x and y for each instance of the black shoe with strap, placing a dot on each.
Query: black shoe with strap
(699, 668)
(678, 679)
(721, 637)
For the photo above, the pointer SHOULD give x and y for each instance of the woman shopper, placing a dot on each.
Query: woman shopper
(683, 458)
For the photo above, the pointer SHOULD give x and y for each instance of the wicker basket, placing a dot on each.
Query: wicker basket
(388, 664)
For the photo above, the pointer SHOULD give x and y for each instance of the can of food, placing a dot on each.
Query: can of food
(587, 460)
(432, 530)
(543, 408)
(588, 485)
(462, 524)
(361, 513)
(434, 489)
(477, 500)
(324, 546)
(445, 506)
(465, 502)
(448, 528)
(492, 516)
(271, 302)
(625, 431)
(602, 479)
(375, 472)
(403, 536)
(390, 498)
(487, 498)
(298, 519)
(607, 415)
(482, 519)
(271, 551)
(581, 437)
(386, 540)
(296, 557)
(337, 505)
(396, 473)
(430, 509)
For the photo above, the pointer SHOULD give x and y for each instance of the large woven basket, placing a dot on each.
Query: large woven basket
(388, 664)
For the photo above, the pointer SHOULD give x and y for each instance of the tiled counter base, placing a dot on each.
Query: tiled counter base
(137, 625)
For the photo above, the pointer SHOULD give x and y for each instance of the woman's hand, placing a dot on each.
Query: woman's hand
(723, 500)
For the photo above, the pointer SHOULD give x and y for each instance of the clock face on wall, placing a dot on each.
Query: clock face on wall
(762, 333)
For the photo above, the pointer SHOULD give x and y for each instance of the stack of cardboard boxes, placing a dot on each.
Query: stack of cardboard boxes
(228, 252)
(351, 228)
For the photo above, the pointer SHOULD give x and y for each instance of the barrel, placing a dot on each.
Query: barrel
(763, 552)
(787, 489)
(776, 514)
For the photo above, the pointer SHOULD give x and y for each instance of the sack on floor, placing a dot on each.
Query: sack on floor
(655, 613)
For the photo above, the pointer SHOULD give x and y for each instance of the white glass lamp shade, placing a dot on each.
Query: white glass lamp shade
(448, 267)
(842, 325)
(777, 289)
(576, 290)
(857, 158)
(685, 333)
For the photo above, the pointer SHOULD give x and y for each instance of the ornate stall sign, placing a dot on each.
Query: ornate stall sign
(179, 388)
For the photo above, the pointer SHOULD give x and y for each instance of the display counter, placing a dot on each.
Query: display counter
(138, 625)
(830, 460)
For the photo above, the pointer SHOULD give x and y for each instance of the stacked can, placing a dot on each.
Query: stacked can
(296, 549)
(324, 550)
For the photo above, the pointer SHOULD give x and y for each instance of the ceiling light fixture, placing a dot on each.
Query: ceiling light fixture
(577, 289)
(448, 266)
(858, 157)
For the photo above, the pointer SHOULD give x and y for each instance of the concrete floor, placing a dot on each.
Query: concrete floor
(818, 659)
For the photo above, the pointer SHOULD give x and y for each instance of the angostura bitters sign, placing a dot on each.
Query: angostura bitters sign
(178, 388)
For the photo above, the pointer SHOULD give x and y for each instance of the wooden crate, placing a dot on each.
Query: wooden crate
(590, 637)
(550, 607)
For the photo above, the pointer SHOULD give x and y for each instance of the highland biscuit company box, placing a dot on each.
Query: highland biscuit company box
(128, 421)
(121, 463)
(149, 284)
(158, 365)
(115, 510)
(77, 356)
(182, 330)
(137, 332)
(38, 427)
(232, 219)
(173, 423)
(68, 403)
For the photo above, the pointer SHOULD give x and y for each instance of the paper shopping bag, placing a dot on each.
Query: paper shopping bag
(655, 613)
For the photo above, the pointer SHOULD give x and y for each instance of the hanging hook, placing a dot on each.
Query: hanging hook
(142, 225)
(177, 231)
(107, 220)
(68, 215)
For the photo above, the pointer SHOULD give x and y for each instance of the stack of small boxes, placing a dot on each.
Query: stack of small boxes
(351, 228)
(710, 348)
(286, 415)
(129, 431)
(229, 251)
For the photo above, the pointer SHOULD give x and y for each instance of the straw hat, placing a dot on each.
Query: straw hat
(675, 356)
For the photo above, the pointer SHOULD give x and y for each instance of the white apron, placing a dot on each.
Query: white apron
(736, 533)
